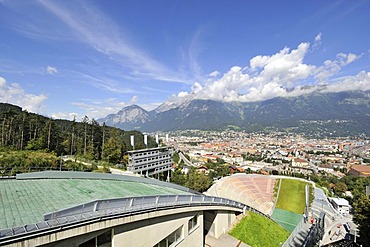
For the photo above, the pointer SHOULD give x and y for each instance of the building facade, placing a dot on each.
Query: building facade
(341, 205)
(150, 161)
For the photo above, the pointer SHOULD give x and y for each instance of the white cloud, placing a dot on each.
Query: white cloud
(282, 74)
(134, 99)
(14, 94)
(214, 73)
(267, 77)
(285, 66)
(68, 116)
(361, 81)
(317, 42)
(182, 94)
(99, 109)
(51, 70)
(330, 68)
(196, 88)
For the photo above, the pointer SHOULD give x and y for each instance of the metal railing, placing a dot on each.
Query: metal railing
(114, 208)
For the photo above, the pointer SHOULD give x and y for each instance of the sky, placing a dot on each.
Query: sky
(66, 59)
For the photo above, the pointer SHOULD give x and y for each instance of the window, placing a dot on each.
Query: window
(193, 223)
(171, 240)
(104, 240)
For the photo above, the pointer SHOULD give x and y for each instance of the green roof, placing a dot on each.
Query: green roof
(26, 199)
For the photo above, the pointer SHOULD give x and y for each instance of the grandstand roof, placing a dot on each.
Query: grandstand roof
(27, 198)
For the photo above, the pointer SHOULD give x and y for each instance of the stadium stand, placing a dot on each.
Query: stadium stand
(254, 190)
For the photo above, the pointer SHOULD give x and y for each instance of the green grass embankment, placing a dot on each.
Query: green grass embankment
(292, 196)
(290, 204)
(258, 231)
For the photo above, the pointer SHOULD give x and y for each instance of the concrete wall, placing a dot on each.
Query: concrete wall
(152, 231)
(223, 220)
(218, 222)
(135, 230)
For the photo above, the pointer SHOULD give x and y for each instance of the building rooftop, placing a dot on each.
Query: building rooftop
(361, 168)
(27, 198)
(164, 148)
(340, 201)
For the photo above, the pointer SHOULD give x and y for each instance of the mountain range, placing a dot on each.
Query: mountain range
(338, 114)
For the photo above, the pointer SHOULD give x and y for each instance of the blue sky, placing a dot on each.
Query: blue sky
(76, 58)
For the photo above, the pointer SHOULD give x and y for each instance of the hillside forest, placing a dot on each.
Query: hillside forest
(31, 142)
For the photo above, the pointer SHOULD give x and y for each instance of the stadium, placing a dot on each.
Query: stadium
(92, 209)
(63, 208)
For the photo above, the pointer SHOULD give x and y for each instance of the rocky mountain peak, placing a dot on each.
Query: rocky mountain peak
(341, 113)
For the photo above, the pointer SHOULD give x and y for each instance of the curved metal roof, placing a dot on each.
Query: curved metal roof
(27, 198)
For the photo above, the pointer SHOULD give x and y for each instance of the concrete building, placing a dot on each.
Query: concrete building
(341, 205)
(298, 162)
(360, 170)
(325, 168)
(150, 161)
(92, 209)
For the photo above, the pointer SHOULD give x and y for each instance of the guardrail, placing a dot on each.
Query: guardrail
(114, 208)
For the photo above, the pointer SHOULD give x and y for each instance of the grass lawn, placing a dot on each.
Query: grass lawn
(256, 230)
(292, 196)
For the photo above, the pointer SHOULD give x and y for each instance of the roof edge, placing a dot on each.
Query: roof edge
(98, 176)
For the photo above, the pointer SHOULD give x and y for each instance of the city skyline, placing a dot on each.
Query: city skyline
(65, 59)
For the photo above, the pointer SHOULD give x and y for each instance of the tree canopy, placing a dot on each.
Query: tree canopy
(22, 130)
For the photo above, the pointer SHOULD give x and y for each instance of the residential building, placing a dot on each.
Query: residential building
(150, 161)
(360, 170)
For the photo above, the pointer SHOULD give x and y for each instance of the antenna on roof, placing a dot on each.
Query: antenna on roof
(146, 141)
(132, 141)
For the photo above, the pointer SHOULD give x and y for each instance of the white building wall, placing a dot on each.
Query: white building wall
(150, 232)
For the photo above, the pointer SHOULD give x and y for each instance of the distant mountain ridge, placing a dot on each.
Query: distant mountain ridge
(341, 113)
(132, 116)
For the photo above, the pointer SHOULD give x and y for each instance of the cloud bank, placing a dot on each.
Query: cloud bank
(96, 109)
(14, 94)
(283, 74)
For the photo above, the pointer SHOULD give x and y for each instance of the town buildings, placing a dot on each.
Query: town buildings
(283, 152)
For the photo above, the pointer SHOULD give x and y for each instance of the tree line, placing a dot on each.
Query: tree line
(24, 131)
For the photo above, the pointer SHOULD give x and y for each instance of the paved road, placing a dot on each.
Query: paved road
(187, 162)
(224, 240)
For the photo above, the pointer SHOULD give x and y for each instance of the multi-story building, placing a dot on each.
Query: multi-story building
(150, 161)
